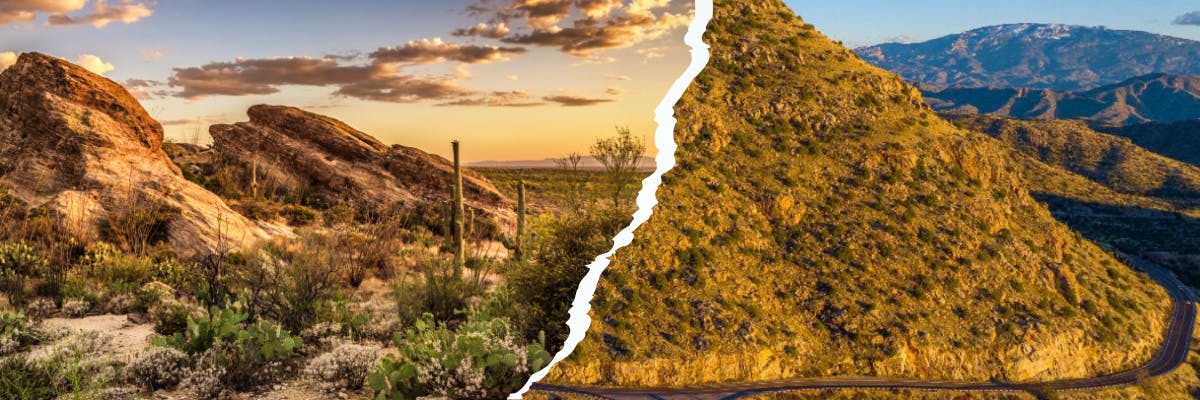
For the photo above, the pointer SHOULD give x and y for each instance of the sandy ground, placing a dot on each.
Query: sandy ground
(126, 339)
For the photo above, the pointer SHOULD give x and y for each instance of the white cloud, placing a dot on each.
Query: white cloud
(93, 63)
(102, 14)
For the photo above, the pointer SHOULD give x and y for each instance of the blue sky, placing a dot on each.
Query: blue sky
(867, 22)
(537, 99)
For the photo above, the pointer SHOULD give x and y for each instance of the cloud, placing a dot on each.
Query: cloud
(618, 77)
(515, 98)
(140, 88)
(575, 101)
(615, 91)
(513, 77)
(93, 63)
(1192, 18)
(426, 51)
(149, 55)
(597, 25)
(26, 10)
(102, 14)
(378, 81)
(491, 31)
(7, 59)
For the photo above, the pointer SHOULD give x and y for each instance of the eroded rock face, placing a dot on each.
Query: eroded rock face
(306, 149)
(80, 144)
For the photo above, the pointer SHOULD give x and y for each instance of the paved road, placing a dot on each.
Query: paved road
(1173, 352)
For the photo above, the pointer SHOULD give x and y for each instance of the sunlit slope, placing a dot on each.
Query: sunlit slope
(822, 221)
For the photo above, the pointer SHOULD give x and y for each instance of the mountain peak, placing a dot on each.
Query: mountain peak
(822, 221)
(1040, 56)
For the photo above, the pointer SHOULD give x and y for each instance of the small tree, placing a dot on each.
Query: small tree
(569, 164)
(621, 157)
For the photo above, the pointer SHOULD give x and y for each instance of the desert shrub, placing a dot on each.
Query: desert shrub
(75, 308)
(204, 384)
(435, 290)
(122, 272)
(18, 334)
(171, 317)
(344, 368)
(69, 369)
(241, 357)
(544, 286)
(292, 283)
(482, 359)
(19, 262)
(261, 210)
(40, 309)
(298, 215)
(138, 226)
(157, 368)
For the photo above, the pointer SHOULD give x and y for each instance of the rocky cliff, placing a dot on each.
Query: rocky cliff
(304, 149)
(80, 144)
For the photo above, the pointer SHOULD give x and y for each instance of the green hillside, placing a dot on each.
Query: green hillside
(823, 221)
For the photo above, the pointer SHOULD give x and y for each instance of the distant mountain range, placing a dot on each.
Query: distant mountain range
(1149, 98)
(587, 164)
(1040, 56)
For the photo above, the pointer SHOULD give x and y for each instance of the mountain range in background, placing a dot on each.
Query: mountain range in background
(1149, 98)
(1038, 56)
(586, 164)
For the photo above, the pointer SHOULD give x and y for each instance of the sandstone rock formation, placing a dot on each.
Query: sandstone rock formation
(80, 144)
(311, 150)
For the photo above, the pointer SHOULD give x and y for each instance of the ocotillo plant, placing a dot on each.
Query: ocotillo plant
(520, 250)
(460, 254)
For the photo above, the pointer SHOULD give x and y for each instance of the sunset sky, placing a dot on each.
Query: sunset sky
(512, 79)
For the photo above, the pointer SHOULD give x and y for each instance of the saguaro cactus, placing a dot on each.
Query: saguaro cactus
(254, 180)
(460, 253)
(520, 250)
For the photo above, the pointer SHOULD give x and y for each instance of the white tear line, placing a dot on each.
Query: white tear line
(664, 140)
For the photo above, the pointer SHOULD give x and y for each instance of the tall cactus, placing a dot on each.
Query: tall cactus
(460, 253)
(254, 180)
(520, 250)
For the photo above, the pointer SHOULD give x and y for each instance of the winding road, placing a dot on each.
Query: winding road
(1173, 352)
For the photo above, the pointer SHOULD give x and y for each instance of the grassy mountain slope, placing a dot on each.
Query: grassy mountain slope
(823, 221)
(1178, 140)
(1113, 161)
(1109, 189)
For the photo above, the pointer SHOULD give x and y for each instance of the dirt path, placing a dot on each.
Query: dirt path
(126, 338)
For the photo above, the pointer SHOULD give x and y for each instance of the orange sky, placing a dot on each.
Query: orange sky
(511, 79)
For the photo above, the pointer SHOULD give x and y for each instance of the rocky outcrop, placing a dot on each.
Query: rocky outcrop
(80, 144)
(304, 149)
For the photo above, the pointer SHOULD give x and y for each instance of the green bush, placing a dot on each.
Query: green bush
(69, 370)
(18, 263)
(544, 286)
(298, 215)
(293, 283)
(237, 355)
(435, 290)
(480, 360)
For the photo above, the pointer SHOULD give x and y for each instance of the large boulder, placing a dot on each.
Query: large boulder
(305, 149)
(80, 144)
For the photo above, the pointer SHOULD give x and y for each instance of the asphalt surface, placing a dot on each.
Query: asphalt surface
(1170, 355)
